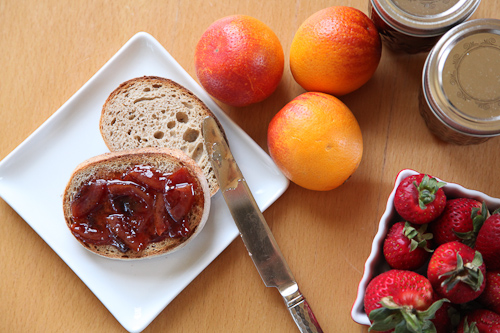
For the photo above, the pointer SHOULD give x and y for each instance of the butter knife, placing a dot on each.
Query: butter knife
(253, 228)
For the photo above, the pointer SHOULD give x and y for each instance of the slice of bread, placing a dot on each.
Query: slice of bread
(162, 159)
(152, 111)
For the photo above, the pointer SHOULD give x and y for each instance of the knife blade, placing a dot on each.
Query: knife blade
(254, 230)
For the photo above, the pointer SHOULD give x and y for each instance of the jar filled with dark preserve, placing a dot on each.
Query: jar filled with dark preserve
(415, 26)
(460, 96)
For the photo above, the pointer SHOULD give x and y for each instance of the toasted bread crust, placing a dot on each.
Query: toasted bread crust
(152, 111)
(163, 159)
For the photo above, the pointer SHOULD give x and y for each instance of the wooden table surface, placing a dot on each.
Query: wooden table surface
(49, 49)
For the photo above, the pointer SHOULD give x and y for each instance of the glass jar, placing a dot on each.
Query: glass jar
(414, 26)
(460, 97)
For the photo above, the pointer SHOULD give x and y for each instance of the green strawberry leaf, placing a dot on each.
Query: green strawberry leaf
(418, 238)
(470, 328)
(478, 217)
(412, 323)
(413, 245)
(453, 276)
(478, 260)
(475, 276)
(430, 313)
(469, 273)
(401, 328)
(384, 319)
(427, 190)
(403, 319)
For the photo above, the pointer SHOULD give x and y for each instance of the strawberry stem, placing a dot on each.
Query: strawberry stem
(403, 318)
(418, 238)
(478, 217)
(427, 190)
(469, 273)
(470, 328)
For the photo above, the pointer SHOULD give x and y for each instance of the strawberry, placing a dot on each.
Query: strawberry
(406, 247)
(490, 297)
(460, 221)
(457, 272)
(488, 241)
(480, 321)
(419, 199)
(401, 300)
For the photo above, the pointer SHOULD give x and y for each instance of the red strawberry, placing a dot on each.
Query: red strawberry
(480, 321)
(488, 241)
(401, 299)
(491, 294)
(460, 221)
(419, 199)
(457, 272)
(406, 247)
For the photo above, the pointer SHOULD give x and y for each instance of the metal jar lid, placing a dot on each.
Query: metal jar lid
(424, 18)
(461, 78)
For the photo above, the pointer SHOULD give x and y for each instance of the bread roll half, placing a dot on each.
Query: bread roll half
(108, 166)
(152, 111)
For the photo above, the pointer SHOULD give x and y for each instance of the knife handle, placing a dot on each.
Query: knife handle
(303, 316)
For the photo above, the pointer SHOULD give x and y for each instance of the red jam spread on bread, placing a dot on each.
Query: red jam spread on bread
(133, 209)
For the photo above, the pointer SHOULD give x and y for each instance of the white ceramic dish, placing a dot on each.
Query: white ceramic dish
(33, 177)
(376, 264)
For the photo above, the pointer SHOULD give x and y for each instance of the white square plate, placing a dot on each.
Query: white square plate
(34, 175)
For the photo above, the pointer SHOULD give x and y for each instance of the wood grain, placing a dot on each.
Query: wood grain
(51, 48)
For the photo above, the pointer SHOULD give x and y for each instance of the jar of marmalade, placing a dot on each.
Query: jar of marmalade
(460, 96)
(414, 26)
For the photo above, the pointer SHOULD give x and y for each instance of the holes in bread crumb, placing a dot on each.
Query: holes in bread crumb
(157, 86)
(129, 132)
(131, 116)
(158, 135)
(144, 99)
(138, 138)
(146, 89)
(190, 135)
(182, 117)
(171, 124)
(198, 152)
(188, 105)
(113, 121)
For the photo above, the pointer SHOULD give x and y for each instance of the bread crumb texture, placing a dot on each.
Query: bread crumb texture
(152, 111)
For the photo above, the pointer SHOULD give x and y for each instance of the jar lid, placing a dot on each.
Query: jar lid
(424, 18)
(461, 78)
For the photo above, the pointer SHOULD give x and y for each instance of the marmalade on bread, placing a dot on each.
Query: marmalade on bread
(132, 209)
